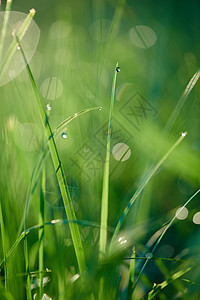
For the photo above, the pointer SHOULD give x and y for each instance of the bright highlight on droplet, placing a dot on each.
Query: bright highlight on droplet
(64, 135)
(183, 134)
(122, 240)
(182, 213)
(121, 152)
(48, 107)
(51, 88)
(143, 36)
(196, 218)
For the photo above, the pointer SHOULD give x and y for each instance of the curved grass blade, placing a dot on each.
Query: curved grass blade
(157, 288)
(42, 156)
(161, 236)
(38, 227)
(143, 185)
(74, 230)
(4, 26)
(181, 102)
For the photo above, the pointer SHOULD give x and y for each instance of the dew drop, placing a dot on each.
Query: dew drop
(18, 48)
(118, 69)
(48, 107)
(183, 134)
(75, 115)
(100, 108)
(149, 255)
(64, 135)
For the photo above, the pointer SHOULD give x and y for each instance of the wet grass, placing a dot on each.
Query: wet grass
(97, 233)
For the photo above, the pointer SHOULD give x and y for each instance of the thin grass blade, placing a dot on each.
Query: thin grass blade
(75, 233)
(143, 185)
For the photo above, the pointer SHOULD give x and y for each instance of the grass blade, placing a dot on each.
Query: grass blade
(3, 237)
(104, 200)
(131, 275)
(13, 47)
(41, 160)
(75, 233)
(161, 236)
(4, 26)
(41, 231)
(105, 188)
(152, 294)
(143, 185)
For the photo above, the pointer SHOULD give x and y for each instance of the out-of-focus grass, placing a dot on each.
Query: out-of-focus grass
(74, 51)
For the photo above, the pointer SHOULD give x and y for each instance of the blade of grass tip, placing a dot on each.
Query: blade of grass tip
(181, 101)
(112, 32)
(13, 47)
(41, 231)
(3, 237)
(105, 188)
(4, 26)
(143, 185)
(75, 233)
(161, 236)
(176, 111)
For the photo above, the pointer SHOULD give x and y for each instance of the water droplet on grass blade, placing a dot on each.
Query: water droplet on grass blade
(48, 107)
(118, 69)
(64, 135)
(149, 255)
(100, 108)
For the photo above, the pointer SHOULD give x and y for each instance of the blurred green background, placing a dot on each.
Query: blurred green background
(156, 44)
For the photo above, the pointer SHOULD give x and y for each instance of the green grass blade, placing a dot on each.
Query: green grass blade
(13, 47)
(161, 236)
(41, 160)
(105, 188)
(131, 274)
(41, 231)
(104, 200)
(75, 233)
(38, 227)
(181, 102)
(4, 26)
(157, 288)
(143, 185)
(3, 238)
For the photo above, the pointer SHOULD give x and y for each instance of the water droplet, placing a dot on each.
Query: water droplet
(100, 108)
(75, 115)
(85, 149)
(48, 107)
(149, 255)
(64, 135)
(118, 69)
(183, 133)
(18, 48)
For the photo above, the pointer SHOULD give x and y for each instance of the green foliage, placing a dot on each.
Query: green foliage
(89, 205)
